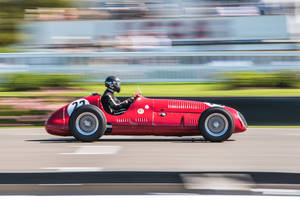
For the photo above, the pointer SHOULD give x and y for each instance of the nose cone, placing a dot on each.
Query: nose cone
(50, 125)
(239, 120)
(243, 123)
(242, 128)
(56, 123)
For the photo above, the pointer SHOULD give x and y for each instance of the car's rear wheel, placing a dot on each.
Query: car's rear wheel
(87, 123)
(216, 124)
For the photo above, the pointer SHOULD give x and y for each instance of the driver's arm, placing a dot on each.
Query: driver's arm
(119, 105)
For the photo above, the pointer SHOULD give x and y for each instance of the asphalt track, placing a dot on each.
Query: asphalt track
(257, 150)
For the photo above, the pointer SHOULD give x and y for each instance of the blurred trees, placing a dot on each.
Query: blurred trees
(12, 12)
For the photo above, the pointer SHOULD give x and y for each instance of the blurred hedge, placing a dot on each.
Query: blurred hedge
(283, 79)
(34, 81)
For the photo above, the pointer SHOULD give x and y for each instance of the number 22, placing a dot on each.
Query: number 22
(76, 104)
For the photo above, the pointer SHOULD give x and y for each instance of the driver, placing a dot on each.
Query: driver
(110, 103)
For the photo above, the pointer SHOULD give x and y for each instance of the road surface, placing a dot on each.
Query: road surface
(258, 149)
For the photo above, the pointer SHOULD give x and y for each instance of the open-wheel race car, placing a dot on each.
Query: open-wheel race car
(87, 120)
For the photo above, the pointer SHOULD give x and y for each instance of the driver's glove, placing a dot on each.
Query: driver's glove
(130, 100)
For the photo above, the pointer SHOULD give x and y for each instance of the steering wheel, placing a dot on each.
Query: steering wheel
(137, 95)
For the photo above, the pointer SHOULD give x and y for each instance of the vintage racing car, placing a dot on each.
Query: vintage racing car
(87, 121)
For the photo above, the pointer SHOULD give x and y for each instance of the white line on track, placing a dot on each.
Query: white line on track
(25, 134)
(118, 137)
(103, 150)
(277, 191)
(74, 169)
(292, 134)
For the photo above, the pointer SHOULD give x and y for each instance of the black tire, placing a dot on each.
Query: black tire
(94, 116)
(206, 124)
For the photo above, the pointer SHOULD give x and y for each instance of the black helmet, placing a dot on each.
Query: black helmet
(113, 83)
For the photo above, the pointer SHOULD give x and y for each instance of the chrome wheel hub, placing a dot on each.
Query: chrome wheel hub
(216, 124)
(87, 123)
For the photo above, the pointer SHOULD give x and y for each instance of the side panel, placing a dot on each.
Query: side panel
(176, 123)
(137, 120)
(176, 117)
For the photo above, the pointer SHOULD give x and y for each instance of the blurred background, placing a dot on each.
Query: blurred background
(55, 51)
(240, 53)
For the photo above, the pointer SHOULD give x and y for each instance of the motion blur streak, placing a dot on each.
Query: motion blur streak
(54, 51)
(154, 197)
(64, 27)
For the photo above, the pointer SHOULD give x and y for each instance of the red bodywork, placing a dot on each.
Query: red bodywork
(144, 117)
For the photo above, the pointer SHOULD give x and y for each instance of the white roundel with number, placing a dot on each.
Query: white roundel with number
(76, 104)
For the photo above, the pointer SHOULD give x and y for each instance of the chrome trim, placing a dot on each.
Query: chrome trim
(108, 126)
(243, 120)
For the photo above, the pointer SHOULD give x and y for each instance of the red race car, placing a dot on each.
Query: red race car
(87, 121)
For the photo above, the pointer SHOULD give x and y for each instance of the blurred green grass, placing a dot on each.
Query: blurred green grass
(158, 89)
(8, 50)
(33, 85)
(192, 90)
(10, 111)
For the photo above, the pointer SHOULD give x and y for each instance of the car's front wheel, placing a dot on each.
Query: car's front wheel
(87, 123)
(216, 124)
